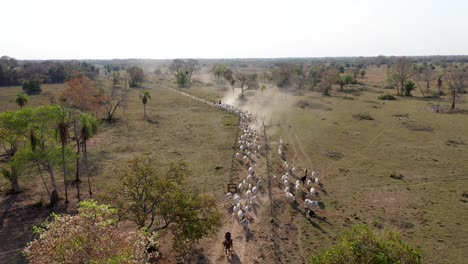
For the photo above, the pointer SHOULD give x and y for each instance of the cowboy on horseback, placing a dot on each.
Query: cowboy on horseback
(227, 242)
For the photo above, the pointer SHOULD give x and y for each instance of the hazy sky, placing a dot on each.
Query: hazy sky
(65, 29)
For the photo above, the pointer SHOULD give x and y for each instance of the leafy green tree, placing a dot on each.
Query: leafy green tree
(181, 79)
(345, 80)
(362, 245)
(157, 201)
(22, 99)
(91, 236)
(63, 134)
(44, 152)
(13, 135)
(32, 87)
(144, 99)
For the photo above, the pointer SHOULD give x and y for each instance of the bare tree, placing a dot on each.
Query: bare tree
(229, 76)
(455, 79)
(112, 100)
(400, 72)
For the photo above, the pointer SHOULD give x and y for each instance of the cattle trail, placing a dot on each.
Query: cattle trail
(252, 243)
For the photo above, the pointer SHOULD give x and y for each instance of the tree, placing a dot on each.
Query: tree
(409, 86)
(439, 90)
(229, 76)
(329, 77)
(89, 126)
(22, 99)
(192, 67)
(44, 153)
(112, 99)
(13, 136)
(362, 73)
(64, 135)
(91, 236)
(400, 72)
(32, 87)
(344, 81)
(82, 94)
(144, 99)
(455, 79)
(8, 73)
(181, 78)
(247, 81)
(183, 71)
(362, 245)
(157, 202)
(218, 71)
(136, 75)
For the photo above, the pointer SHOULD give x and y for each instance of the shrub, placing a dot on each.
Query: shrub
(409, 86)
(32, 87)
(91, 236)
(361, 244)
(386, 97)
(363, 116)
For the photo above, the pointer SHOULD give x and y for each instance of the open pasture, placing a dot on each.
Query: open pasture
(403, 169)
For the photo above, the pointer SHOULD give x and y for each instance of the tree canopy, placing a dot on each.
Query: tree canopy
(91, 236)
(362, 245)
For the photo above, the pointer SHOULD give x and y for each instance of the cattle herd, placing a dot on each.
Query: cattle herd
(249, 149)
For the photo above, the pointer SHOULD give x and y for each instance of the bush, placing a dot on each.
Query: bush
(361, 244)
(363, 116)
(386, 97)
(91, 236)
(32, 87)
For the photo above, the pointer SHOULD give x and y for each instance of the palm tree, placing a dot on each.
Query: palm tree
(409, 86)
(262, 88)
(63, 133)
(88, 129)
(144, 99)
(22, 99)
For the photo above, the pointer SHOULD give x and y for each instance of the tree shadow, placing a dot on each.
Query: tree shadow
(200, 257)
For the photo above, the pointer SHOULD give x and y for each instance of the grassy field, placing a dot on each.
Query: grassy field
(405, 169)
(177, 128)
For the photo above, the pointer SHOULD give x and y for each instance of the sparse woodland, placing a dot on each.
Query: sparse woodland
(124, 183)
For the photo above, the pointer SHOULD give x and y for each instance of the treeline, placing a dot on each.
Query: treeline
(14, 72)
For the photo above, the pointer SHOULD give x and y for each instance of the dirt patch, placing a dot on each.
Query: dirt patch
(335, 155)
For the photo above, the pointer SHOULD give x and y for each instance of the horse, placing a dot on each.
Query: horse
(227, 243)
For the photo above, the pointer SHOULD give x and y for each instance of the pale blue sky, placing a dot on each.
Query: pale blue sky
(60, 29)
